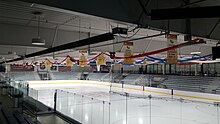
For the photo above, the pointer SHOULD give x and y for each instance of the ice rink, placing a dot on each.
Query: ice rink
(91, 102)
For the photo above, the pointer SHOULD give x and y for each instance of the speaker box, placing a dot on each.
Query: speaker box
(215, 52)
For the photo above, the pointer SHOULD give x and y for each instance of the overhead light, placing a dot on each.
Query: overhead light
(38, 41)
(32, 5)
(193, 53)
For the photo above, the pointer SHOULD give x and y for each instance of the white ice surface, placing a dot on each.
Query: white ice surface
(161, 109)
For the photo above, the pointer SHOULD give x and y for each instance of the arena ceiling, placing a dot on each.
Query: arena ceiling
(72, 21)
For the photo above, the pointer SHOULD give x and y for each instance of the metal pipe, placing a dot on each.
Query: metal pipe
(83, 42)
(192, 3)
(156, 35)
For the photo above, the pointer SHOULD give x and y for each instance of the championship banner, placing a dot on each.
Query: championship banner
(83, 58)
(101, 60)
(69, 62)
(128, 51)
(172, 55)
(48, 64)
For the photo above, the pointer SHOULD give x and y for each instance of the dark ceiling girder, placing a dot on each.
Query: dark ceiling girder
(144, 10)
(130, 10)
(143, 7)
(183, 13)
(192, 3)
(111, 9)
(83, 42)
(214, 27)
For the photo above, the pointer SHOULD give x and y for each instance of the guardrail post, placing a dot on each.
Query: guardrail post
(171, 91)
(122, 83)
(27, 89)
(126, 110)
(55, 100)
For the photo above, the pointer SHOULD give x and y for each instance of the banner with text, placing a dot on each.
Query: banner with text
(101, 60)
(172, 55)
(83, 54)
(69, 62)
(128, 51)
(48, 64)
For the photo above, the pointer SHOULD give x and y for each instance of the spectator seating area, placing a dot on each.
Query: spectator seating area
(65, 75)
(218, 90)
(217, 82)
(185, 83)
(27, 76)
(134, 79)
(189, 83)
(96, 76)
(111, 77)
(15, 117)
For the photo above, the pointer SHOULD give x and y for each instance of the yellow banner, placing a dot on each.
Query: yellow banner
(48, 64)
(69, 62)
(83, 58)
(128, 51)
(101, 60)
(172, 55)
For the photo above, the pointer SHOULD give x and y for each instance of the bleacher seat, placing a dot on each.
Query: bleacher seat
(132, 79)
(19, 118)
(96, 76)
(188, 83)
(65, 76)
(27, 76)
(9, 116)
(110, 77)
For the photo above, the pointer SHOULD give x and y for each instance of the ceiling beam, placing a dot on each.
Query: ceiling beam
(144, 11)
(132, 39)
(183, 13)
(214, 27)
(192, 3)
(130, 10)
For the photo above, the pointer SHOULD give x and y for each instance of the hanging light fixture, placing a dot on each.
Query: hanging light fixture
(38, 41)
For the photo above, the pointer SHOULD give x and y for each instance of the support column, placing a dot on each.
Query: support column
(7, 68)
(202, 70)
(163, 68)
(195, 70)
